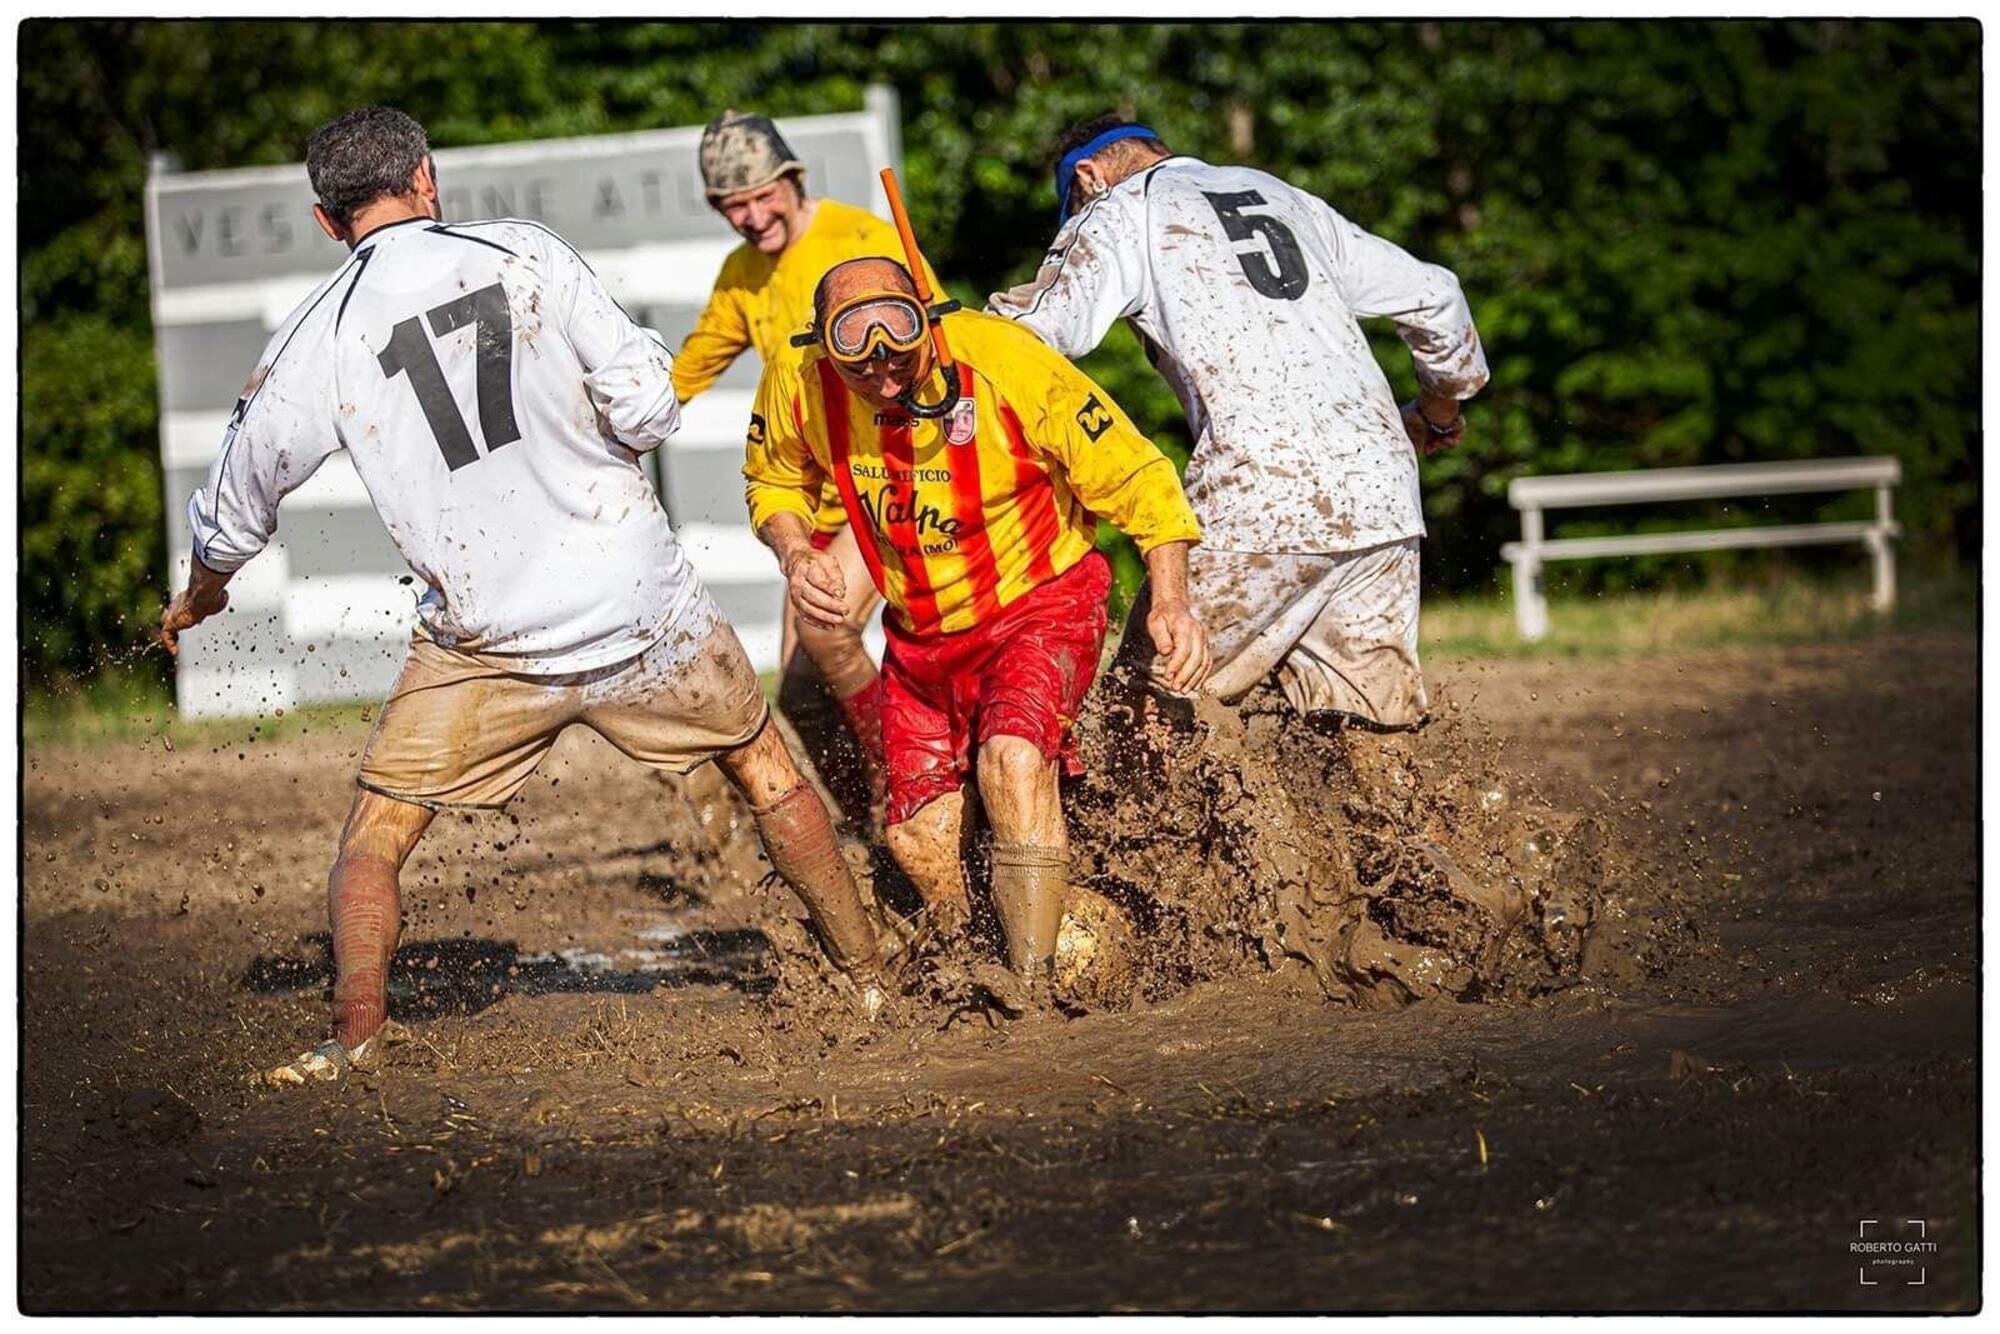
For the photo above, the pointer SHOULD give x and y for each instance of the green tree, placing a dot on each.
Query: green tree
(91, 547)
(1685, 242)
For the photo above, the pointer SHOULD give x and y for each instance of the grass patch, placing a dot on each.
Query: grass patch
(122, 705)
(1786, 610)
(118, 704)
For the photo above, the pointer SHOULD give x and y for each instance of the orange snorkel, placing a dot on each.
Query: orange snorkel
(919, 274)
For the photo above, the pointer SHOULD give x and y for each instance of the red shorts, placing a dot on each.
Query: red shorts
(821, 541)
(1022, 674)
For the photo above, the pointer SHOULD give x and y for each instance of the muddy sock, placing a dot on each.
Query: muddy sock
(851, 675)
(864, 714)
(365, 909)
(1030, 882)
(799, 839)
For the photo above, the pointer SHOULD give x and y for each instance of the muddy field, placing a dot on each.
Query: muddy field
(610, 1101)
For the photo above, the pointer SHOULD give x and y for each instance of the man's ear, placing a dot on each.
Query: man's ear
(333, 230)
(424, 182)
(1091, 181)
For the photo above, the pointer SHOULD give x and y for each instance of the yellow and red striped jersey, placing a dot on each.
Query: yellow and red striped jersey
(958, 517)
(761, 302)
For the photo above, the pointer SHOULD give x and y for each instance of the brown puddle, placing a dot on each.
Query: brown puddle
(464, 975)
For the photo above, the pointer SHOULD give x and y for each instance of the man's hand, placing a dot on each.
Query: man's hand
(813, 579)
(1182, 641)
(206, 594)
(1434, 423)
(817, 586)
(1171, 621)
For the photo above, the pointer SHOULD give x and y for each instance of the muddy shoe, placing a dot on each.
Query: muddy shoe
(1006, 990)
(330, 1062)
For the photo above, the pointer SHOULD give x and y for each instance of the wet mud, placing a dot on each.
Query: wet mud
(1396, 866)
(1624, 986)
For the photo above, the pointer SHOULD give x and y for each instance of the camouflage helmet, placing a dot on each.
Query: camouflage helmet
(743, 152)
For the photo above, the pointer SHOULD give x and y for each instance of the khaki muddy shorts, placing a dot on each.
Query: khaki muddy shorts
(456, 732)
(1338, 631)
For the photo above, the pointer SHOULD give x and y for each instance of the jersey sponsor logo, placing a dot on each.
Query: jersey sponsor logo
(1092, 417)
(962, 423)
(758, 430)
(892, 506)
(894, 419)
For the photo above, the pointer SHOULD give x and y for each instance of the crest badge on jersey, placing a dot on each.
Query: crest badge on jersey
(962, 423)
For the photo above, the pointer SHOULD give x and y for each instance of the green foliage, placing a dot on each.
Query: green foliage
(91, 546)
(1684, 242)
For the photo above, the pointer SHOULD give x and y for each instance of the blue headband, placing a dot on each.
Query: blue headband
(1066, 169)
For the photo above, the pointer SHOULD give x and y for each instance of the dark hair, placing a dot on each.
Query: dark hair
(900, 279)
(358, 158)
(1081, 133)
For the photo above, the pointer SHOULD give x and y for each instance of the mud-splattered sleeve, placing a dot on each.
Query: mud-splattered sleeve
(1094, 274)
(627, 370)
(1112, 467)
(281, 430)
(1380, 278)
(780, 473)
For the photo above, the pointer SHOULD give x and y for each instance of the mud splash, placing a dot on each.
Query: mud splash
(1396, 867)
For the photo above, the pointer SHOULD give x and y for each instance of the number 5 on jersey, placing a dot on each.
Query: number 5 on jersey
(493, 346)
(1288, 281)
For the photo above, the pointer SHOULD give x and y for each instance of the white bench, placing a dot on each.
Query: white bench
(1532, 495)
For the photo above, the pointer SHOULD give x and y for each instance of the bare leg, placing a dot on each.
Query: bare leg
(930, 847)
(798, 837)
(364, 899)
(1022, 792)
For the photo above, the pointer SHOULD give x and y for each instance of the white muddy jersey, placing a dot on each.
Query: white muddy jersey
(1249, 293)
(494, 399)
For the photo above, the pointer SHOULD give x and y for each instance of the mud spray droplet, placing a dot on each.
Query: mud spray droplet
(1493, 796)
(1532, 853)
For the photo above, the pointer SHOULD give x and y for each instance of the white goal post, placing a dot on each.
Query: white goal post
(1532, 495)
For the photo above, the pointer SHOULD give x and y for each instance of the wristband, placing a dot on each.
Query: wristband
(1447, 430)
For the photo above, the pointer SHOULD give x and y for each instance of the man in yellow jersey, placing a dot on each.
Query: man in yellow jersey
(762, 298)
(976, 521)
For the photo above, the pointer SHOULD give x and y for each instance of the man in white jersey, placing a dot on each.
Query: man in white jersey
(1248, 295)
(494, 400)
